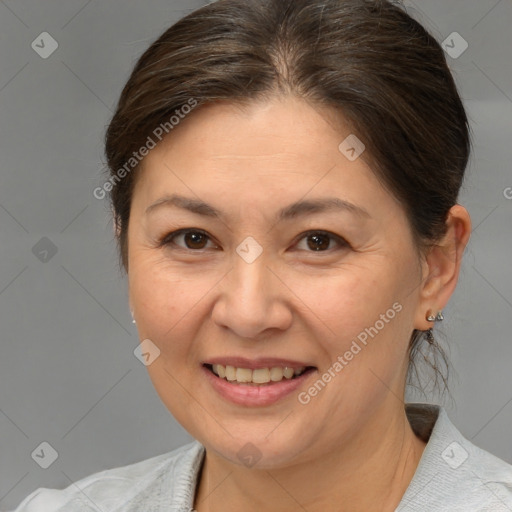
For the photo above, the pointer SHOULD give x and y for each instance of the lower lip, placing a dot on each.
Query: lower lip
(255, 395)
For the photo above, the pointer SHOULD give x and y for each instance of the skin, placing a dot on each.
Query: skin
(351, 447)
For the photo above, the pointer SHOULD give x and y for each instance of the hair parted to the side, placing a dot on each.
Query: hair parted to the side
(368, 59)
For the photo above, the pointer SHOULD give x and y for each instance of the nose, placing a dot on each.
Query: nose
(252, 300)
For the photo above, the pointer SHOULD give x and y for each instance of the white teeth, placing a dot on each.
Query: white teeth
(276, 374)
(260, 375)
(288, 372)
(243, 375)
(257, 376)
(230, 372)
(219, 370)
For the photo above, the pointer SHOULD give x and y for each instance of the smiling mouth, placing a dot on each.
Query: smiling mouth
(259, 376)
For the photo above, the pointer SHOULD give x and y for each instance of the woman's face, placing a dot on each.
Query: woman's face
(300, 259)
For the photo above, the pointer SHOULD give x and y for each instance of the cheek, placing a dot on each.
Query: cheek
(166, 306)
(167, 303)
(160, 300)
(364, 320)
(351, 300)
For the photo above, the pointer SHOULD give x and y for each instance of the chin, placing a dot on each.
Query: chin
(255, 452)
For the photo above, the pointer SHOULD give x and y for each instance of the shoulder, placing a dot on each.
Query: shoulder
(457, 476)
(490, 479)
(117, 489)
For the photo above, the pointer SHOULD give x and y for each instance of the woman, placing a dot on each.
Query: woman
(284, 180)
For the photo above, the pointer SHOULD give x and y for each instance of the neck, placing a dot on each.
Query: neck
(370, 472)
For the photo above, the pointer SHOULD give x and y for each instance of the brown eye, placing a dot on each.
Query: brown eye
(193, 240)
(320, 241)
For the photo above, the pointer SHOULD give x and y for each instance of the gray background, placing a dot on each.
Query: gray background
(68, 375)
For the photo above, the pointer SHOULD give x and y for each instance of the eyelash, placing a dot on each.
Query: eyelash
(168, 240)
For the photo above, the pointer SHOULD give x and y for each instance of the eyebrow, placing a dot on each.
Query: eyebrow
(294, 210)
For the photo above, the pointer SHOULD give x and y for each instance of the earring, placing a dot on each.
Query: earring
(435, 318)
(133, 319)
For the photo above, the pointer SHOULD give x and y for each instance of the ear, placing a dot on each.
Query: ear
(442, 266)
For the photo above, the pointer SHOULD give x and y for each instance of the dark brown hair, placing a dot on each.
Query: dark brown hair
(369, 60)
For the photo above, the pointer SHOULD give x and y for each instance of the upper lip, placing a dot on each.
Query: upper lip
(254, 363)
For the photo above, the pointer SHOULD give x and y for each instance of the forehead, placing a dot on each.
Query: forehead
(265, 128)
(275, 151)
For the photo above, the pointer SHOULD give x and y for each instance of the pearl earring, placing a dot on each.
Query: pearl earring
(133, 319)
